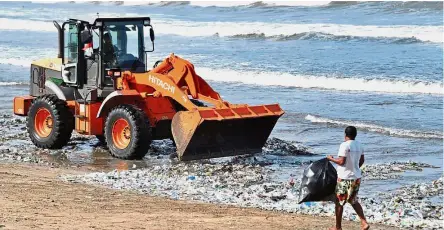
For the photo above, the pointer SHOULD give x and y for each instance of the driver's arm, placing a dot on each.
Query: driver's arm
(108, 53)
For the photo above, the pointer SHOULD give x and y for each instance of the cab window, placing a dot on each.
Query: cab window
(71, 43)
(122, 46)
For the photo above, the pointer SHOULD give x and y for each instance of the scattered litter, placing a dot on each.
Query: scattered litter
(251, 186)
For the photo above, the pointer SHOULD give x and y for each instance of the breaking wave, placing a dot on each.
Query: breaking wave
(384, 6)
(271, 4)
(321, 82)
(325, 36)
(281, 31)
(292, 31)
(377, 128)
(301, 81)
(15, 61)
(414, 5)
(173, 3)
(12, 83)
(224, 3)
(342, 3)
(26, 25)
(258, 3)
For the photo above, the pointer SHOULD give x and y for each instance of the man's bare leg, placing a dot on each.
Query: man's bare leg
(338, 212)
(358, 209)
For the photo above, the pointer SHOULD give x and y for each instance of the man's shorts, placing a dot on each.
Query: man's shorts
(347, 190)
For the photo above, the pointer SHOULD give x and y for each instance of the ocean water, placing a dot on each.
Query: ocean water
(375, 65)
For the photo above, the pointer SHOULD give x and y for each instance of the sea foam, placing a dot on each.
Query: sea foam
(300, 80)
(377, 128)
(321, 82)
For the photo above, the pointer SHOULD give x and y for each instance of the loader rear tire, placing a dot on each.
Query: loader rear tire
(50, 122)
(128, 132)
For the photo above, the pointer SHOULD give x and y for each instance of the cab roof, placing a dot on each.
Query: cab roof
(121, 19)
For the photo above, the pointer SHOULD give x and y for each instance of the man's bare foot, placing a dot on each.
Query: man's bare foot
(335, 228)
(365, 226)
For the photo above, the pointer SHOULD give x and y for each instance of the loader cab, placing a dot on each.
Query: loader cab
(116, 43)
(121, 45)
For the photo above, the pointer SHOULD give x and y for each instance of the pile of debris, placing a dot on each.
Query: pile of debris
(391, 170)
(249, 185)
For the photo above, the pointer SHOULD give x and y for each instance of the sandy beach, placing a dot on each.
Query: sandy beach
(33, 197)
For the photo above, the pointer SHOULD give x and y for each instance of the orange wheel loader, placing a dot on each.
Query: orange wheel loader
(100, 85)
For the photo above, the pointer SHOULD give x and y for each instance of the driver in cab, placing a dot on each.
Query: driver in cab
(109, 55)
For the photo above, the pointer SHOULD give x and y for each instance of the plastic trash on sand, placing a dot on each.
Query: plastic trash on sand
(318, 182)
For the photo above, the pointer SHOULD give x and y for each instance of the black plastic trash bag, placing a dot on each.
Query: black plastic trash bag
(318, 182)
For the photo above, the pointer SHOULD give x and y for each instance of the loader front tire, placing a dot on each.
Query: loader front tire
(50, 122)
(127, 132)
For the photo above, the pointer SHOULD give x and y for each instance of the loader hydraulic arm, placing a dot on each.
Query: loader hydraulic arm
(163, 86)
(182, 73)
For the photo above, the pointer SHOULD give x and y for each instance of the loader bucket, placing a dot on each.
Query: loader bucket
(212, 133)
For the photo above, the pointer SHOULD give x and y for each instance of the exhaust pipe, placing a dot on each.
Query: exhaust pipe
(61, 39)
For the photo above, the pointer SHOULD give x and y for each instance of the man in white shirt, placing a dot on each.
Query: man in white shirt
(349, 161)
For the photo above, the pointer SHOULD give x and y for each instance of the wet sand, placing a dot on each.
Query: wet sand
(33, 197)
